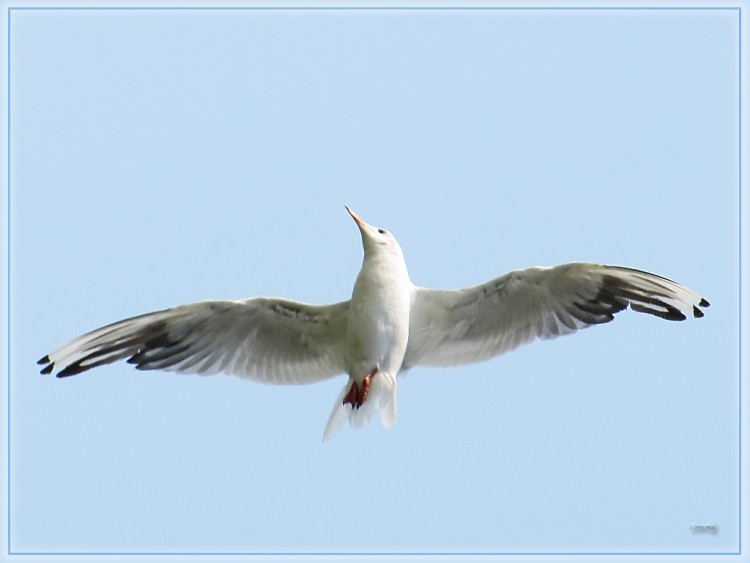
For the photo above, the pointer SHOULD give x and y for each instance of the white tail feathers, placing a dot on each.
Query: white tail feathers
(381, 398)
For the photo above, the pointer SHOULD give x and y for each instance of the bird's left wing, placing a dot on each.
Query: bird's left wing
(476, 323)
(270, 340)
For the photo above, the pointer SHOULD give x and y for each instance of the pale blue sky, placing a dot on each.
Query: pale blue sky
(167, 156)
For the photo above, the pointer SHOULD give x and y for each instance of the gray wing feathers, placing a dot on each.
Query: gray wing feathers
(477, 323)
(271, 340)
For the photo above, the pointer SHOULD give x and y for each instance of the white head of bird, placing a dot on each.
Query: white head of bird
(377, 242)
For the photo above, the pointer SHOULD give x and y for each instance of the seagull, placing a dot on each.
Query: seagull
(387, 327)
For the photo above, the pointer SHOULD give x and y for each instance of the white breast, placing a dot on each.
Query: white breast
(378, 327)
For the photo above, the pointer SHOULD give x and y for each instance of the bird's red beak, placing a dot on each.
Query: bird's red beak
(356, 218)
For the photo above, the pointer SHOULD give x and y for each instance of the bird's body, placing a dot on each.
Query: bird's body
(377, 331)
(388, 326)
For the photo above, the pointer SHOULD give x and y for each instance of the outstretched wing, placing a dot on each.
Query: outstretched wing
(477, 323)
(270, 340)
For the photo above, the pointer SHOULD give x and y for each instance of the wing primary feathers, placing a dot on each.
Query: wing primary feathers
(187, 358)
(100, 357)
(605, 303)
(671, 314)
(157, 358)
(586, 315)
(156, 346)
(644, 300)
(77, 367)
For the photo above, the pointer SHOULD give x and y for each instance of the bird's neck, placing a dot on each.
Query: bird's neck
(384, 269)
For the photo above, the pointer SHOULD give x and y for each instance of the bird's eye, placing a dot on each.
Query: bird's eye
(381, 231)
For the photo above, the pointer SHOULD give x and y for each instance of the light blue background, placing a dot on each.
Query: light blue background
(165, 157)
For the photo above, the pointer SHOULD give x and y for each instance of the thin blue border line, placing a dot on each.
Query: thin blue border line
(366, 553)
(739, 260)
(388, 8)
(378, 8)
(8, 307)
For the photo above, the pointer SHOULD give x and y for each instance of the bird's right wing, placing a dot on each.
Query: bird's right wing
(477, 323)
(270, 340)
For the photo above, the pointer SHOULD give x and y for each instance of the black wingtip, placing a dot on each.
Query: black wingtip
(43, 360)
(697, 313)
(72, 369)
(704, 303)
(48, 369)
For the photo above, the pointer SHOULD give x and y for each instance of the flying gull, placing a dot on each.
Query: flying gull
(387, 327)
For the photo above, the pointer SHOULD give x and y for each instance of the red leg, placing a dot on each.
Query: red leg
(363, 390)
(351, 396)
(358, 393)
